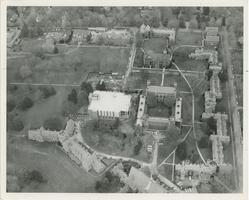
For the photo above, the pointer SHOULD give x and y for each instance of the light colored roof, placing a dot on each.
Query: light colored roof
(143, 183)
(161, 89)
(212, 28)
(110, 101)
(212, 38)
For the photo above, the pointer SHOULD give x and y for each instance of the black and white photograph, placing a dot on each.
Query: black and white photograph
(124, 99)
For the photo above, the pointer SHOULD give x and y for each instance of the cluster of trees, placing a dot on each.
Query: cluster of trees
(109, 183)
(223, 75)
(181, 151)
(53, 124)
(101, 86)
(14, 123)
(27, 177)
(138, 147)
(25, 104)
(47, 91)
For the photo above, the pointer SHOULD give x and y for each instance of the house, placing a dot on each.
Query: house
(211, 31)
(42, 135)
(109, 105)
(212, 40)
(217, 147)
(160, 32)
(161, 92)
(215, 85)
(138, 180)
(159, 123)
(210, 103)
(141, 110)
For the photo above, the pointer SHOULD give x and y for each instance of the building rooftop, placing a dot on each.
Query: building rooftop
(161, 89)
(109, 101)
(143, 183)
(212, 38)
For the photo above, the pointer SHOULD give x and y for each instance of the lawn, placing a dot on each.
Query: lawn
(172, 139)
(160, 111)
(61, 174)
(187, 108)
(70, 68)
(188, 38)
(185, 63)
(156, 45)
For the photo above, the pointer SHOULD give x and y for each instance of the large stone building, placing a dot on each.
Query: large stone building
(109, 105)
(161, 92)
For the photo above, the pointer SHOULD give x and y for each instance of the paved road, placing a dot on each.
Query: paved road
(233, 108)
(131, 61)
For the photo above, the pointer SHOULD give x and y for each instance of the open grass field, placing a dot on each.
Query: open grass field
(61, 174)
(156, 45)
(185, 63)
(70, 68)
(42, 108)
(189, 38)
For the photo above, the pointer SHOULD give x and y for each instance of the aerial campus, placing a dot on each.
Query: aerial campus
(125, 99)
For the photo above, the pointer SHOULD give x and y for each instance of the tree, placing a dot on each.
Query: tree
(211, 122)
(206, 11)
(87, 87)
(25, 104)
(88, 37)
(17, 124)
(101, 86)
(193, 24)
(209, 74)
(73, 96)
(10, 105)
(109, 183)
(28, 177)
(25, 71)
(204, 141)
(138, 147)
(223, 75)
(47, 91)
(82, 98)
(182, 22)
(53, 124)
(181, 151)
(173, 23)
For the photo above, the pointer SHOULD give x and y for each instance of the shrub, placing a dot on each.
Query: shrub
(138, 147)
(223, 76)
(53, 124)
(25, 104)
(82, 98)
